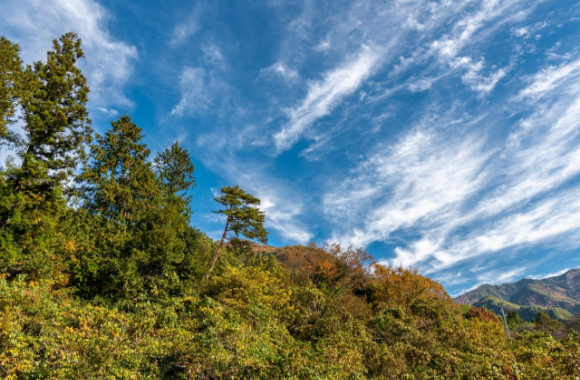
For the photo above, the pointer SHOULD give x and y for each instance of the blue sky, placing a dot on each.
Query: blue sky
(443, 135)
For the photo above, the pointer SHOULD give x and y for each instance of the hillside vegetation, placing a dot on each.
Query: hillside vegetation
(527, 313)
(103, 277)
(559, 292)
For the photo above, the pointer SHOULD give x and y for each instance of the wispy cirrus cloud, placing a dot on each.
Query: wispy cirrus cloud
(408, 184)
(188, 27)
(325, 94)
(193, 93)
(383, 29)
(465, 200)
(282, 70)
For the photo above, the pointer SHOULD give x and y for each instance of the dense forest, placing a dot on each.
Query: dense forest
(103, 276)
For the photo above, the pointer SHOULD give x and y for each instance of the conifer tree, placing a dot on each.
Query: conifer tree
(175, 172)
(174, 168)
(139, 220)
(11, 86)
(242, 218)
(52, 96)
(116, 189)
(57, 126)
(119, 184)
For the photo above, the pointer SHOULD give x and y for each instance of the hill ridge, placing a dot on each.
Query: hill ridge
(560, 292)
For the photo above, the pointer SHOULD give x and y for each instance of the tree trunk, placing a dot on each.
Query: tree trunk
(215, 258)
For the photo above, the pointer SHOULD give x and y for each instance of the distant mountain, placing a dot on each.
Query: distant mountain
(559, 293)
(527, 313)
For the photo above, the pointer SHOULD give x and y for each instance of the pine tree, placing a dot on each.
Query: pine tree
(57, 126)
(52, 97)
(119, 184)
(242, 218)
(174, 168)
(175, 172)
(11, 86)
(116, 189)
(139, 221)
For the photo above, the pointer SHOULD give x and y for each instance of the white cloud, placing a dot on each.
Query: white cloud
(282, 70)
(109, 112)
(324, 45)
(108, 64)
(493, 277)
(325, 94)
(421, 85)
(213, 54)
(462, 198)
(281, 215)
(464, 30)
(555, 274)
(527, 31)
(412, 183)
(282, 205)
(477, 81)
(189, 27)
(519, 32)
(501, 278)
(566, 77)
(193, 94)
(366, 23)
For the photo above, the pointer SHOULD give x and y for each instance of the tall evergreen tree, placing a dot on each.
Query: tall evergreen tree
(138, 229)
(52, 96)
(116, 189)
(242, 218)
(12, 84)
(175, 169)
(175, 172)
(57, 125)
(119, 184)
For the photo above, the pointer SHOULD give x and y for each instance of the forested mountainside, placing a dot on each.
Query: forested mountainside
(103, 276)
(561, 292)
(527, 313)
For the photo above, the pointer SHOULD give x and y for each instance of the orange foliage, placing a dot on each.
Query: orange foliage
(403, 287)
(328, 264)
(482, 314)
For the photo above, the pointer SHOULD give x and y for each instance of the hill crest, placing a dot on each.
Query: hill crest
(562, 291)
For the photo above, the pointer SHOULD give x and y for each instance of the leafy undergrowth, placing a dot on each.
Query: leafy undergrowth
(261, 322)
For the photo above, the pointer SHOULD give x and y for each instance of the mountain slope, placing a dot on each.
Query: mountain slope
(527, 313)
(562, 292)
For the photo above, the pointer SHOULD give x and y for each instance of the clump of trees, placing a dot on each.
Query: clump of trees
(103, 276)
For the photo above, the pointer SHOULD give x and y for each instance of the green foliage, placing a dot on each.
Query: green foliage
(138, 221)
(175, 170)
(514, 320)
(544, 320)
(52, 97)
(465, 308)
(242, 218)
(12, 86)
(527, 313)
